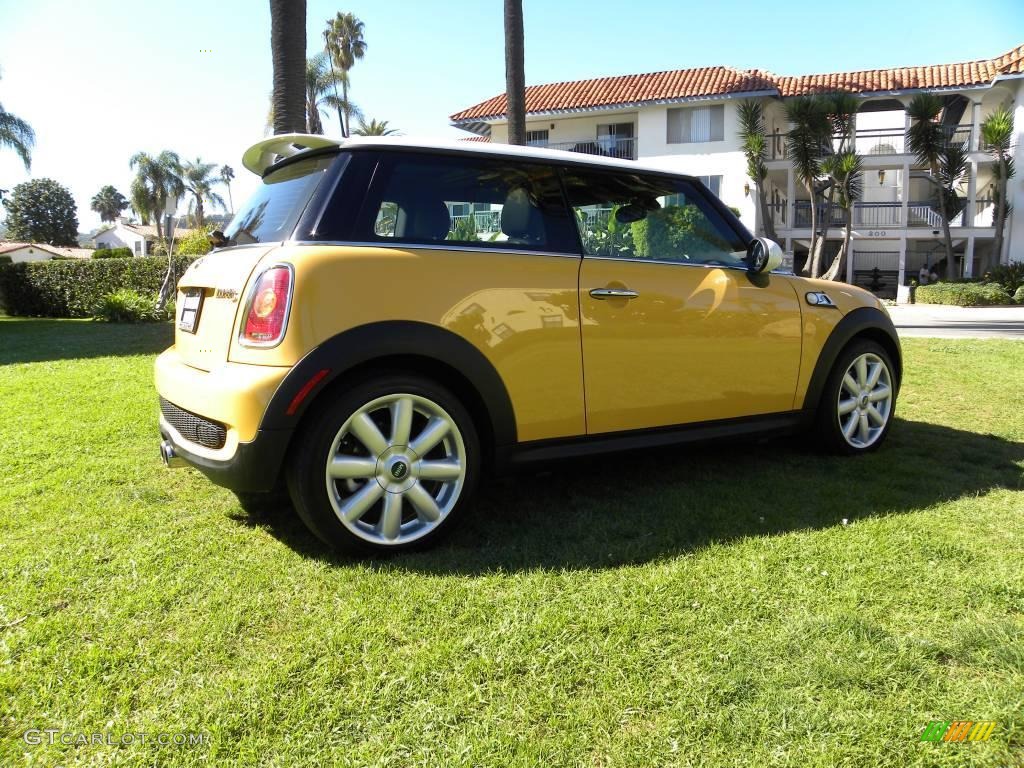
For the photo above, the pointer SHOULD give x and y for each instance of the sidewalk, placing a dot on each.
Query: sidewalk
(946, 322)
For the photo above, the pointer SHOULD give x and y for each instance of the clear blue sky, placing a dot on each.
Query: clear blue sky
(100, 80)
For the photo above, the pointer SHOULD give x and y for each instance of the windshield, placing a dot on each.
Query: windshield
(272, 212)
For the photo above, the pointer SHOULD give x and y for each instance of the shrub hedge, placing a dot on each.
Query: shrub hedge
(76, 288)
(963, 294)
(112, 253)
(1019, 295)
(128, 306)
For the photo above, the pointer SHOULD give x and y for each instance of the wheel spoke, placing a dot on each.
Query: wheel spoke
(881, 393)
(862, 371)
(362, 427)
(845, 406)
(391, 518)
(431, 435)
(351, 467)
(875, 416)
(874, 374)
(851, 426)
(850, 385)
(423, 502)
(440, 470)
(865, 429)
(401, 421)
(361, 501)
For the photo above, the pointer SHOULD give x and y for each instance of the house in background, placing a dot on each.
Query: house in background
(19, 252)
(687, 121)
(140, 238)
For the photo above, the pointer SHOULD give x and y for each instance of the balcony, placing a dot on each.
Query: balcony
(920, 214)
(871, 141)
(622, 147)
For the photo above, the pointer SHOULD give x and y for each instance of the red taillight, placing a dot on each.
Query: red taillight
(268, 307)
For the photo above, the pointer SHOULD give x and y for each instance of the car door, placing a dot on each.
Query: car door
(675, 330)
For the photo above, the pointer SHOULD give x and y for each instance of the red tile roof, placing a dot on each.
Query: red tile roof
(720, 81)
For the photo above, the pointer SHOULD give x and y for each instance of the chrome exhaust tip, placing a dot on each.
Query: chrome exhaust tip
(170, 458)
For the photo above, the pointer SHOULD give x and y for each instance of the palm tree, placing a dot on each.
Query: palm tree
(322, 81)
(227, 175)
(515, 74)
(751, 114)
(996, 135)
(108, 203)
(373, 128)
(288, 50)
(811, 127)
(138, 195)
(946, 162)
(845, 170)
(18, 135)
(199, 178)
(157, 179)
(344, 44)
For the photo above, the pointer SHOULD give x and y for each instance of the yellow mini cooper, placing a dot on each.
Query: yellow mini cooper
(386, 320)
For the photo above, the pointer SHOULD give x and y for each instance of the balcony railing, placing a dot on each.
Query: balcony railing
(623, 147)
(483, 221)
(869, 141)
(920, 213)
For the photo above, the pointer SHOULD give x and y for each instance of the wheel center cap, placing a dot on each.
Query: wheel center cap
(399, 469)
(864, 401)
(396, 469)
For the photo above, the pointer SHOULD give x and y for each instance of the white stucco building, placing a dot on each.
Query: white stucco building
(686, 120)
(139, 238)
(19, 252)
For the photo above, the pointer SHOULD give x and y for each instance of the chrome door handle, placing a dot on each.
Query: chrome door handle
(613, 293)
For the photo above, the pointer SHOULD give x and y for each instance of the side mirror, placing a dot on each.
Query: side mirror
(763, 255)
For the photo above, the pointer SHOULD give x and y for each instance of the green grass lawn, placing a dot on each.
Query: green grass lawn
(745, 605)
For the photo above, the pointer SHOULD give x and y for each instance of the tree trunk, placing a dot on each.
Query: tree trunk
(767, 225)
(999, 219)
(837, 271)
(288, 51)
(515, 75)
(819, 246)
(199, 211)
(344, 111)
(951, 272)
(808, 265)
(231, 202)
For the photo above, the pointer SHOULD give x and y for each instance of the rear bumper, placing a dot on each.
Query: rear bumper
(253, 467)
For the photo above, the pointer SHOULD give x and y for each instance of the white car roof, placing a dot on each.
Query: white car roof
(263, 154)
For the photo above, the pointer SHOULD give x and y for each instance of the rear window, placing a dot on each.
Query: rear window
(271, 214)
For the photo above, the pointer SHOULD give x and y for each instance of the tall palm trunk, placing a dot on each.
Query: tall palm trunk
(999, 220)
(199, 211)
(767, 224)
(809, 264)
(837, 271)
(515, 75)
(288, 50)
(231, 203)
(951, 270)
(344, 110)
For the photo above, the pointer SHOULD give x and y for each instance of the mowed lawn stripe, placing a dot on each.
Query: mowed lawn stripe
(709, 607)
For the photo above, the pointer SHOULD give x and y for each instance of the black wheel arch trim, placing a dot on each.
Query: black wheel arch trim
(861, 322)
(364, 344)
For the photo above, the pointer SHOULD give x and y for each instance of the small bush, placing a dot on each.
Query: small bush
(962, 294)
(1018, 297)
(6, 259)
(1009, 276)
(128, 306)
(195, 243)
(75, 288)
(113, 253)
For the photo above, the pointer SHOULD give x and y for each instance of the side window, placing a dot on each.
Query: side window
(486, 202)
(629, 216)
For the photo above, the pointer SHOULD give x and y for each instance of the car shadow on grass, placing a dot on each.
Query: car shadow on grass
(643, 506)
(36, 340)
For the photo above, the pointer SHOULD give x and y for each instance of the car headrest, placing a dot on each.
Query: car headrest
(519, 219)
(423, 220)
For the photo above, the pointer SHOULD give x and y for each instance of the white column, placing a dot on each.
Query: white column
(901, 278)
(905, 195)
(969, 257)
(975, 125)
(971, 208)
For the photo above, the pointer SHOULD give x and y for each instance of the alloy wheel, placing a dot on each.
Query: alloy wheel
(865, 400)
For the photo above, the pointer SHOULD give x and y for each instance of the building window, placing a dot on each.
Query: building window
(693, 125)
(714, 183)
(616, 140)
(537, 138)
(138, 248)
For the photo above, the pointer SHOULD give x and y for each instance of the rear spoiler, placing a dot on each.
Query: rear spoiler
(264, 154)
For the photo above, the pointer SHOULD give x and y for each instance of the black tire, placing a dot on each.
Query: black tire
(307, 464)
(828, 427)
